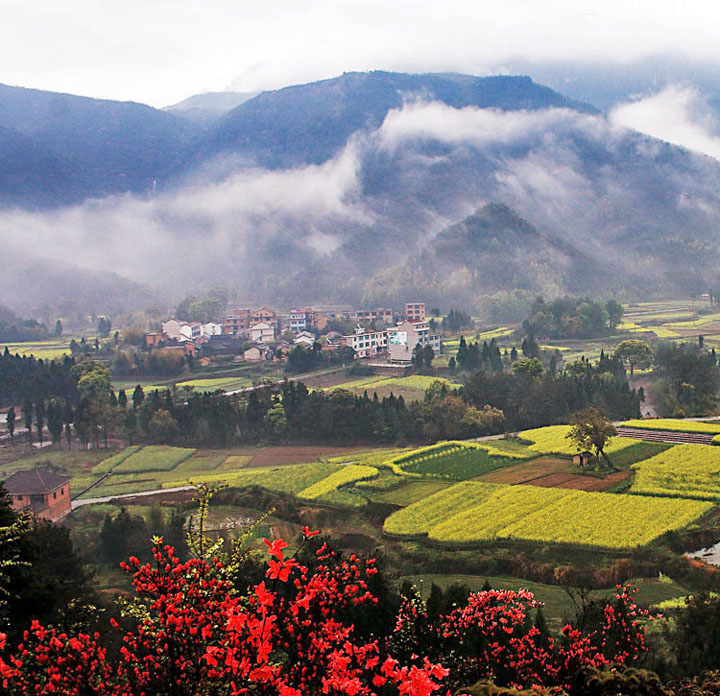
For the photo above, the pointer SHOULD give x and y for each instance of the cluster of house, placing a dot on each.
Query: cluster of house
(265, 329)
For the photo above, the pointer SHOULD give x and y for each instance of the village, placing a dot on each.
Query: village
(265, 334)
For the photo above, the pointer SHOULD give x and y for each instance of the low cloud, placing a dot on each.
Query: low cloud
(678, 114)
(176, 240)
(472, 125)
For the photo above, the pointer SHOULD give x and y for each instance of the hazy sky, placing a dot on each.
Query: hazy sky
(161, 51)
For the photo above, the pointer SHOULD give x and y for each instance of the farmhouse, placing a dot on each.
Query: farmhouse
(305, 338)
(257, 354)
(42, 492)
(583, 459)
(262, 332)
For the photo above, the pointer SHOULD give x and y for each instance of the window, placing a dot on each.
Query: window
(54, 495)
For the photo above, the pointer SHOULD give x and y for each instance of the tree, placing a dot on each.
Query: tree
(40, 413)
(55, 420)
(27, 410)
(591, 430)
(138, 397)
(68, 416)
(104, 326)
(634, 353)
(428, 356)
(10, 419)
(58, 328)
(418, 356)
(532, 367)
(615, 312)
(162, 427)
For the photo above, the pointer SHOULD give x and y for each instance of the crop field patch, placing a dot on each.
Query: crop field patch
(452, 459)
(154, 458)
(552, 440)
(578, 482)
(215, 383)
(674, 425)
(411, 492)
(342, 477)
(473, 512)
(285, 479)
(685, 471)
(281, 456)
(527, 471)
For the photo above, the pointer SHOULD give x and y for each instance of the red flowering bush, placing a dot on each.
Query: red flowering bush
(492, 638)
(196, 635)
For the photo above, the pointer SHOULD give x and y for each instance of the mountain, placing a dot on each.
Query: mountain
(208, 107)
(308, 124)
(370, 188)
(606, 84)
(29, 282)
(59, 148)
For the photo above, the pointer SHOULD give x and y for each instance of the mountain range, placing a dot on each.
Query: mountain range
(369, 187)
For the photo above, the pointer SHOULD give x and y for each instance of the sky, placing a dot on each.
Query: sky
(161, 51)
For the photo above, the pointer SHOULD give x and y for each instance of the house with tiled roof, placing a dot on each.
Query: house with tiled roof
(41, 491)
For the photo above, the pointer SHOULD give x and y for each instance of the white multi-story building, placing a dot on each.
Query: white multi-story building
(402, 339)
(262, 332)
(366, 344)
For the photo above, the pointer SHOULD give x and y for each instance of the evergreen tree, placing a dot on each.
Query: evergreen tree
(10, 419)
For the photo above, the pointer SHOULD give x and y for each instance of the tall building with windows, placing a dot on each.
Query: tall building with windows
(415, 311)
(402, 339)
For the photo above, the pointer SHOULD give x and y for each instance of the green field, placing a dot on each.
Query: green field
(215, 383)
(46, 350)
(454, 460)
(472, 512)
(411, 388)
(411, 492)
(153, 458)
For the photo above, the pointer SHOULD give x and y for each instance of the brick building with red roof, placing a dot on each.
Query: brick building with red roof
(42, 492)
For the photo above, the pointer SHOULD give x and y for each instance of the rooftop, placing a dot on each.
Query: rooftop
(34, 481)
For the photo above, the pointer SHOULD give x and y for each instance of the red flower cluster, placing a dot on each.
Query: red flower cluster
(196, 635)
(492, 638)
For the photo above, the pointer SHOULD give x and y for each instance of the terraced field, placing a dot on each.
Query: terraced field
(684, 471)
(553, 440)
(474, 512)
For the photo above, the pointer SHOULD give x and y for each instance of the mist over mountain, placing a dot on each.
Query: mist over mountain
(208, 107)
(606, 84)
(308, 124)
(372, 188)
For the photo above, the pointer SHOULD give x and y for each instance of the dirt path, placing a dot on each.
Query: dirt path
(143, 494)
